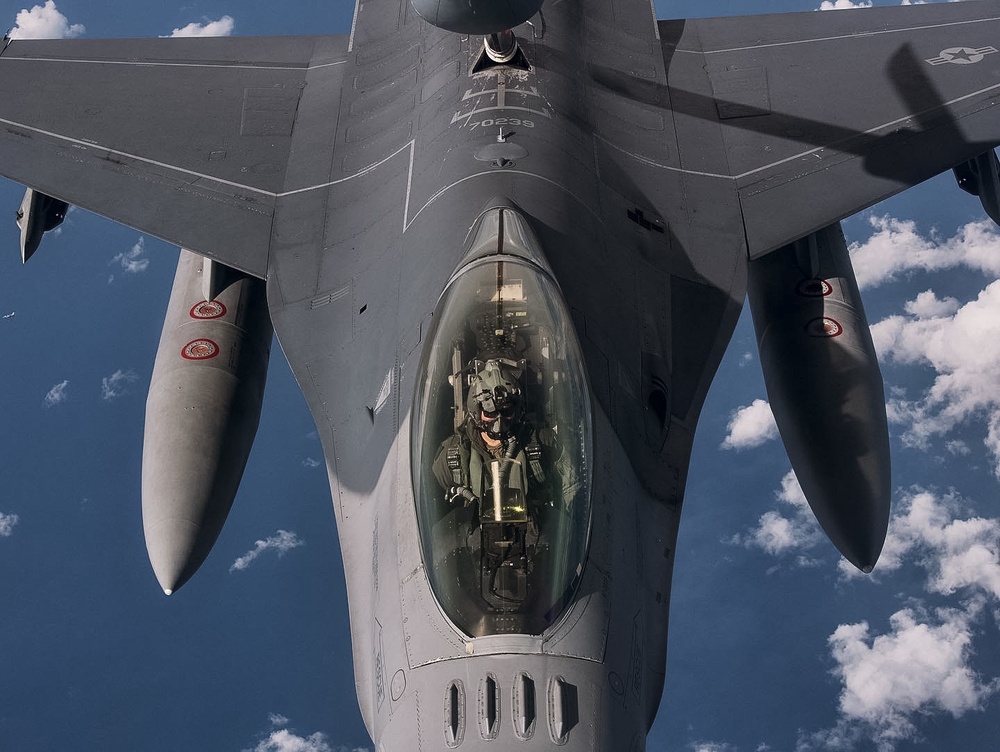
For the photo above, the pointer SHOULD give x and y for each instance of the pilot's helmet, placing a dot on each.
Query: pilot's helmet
(494, 402)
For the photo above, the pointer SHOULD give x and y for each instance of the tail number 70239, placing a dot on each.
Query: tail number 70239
(501, 121)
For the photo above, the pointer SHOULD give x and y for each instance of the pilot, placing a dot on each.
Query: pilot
(496, 444)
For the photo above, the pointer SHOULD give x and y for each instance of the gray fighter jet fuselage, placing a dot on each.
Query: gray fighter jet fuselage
(504, 272)
(541, 620)
(476, 625)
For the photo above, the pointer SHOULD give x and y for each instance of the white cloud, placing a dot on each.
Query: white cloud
(844, 4)
(117, 383)
(281, 542)
(962, 345)
(927, 305)
(921, 666)
(750, 426)
(957, 447)
(711, 747)
(777, 534)
(285, 740)
(7, 522)
(310, 462)
(222, 27)
(44, 22)
(897, 248)
(131, 260)
(56, 394)
(958, 554)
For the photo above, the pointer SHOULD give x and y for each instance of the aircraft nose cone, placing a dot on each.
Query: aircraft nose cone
(174, 551)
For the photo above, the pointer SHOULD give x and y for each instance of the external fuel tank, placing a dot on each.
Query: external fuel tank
(825, 387)
(202, 412)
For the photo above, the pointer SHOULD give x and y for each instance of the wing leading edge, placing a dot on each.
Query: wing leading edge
(821, 115)
(190, 140)
(825, 114)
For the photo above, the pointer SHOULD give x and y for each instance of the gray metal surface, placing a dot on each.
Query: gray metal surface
(202, 412)
(651, 160)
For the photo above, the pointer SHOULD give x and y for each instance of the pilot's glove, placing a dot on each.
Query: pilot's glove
(460, 494)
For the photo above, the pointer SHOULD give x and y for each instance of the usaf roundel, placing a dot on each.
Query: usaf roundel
(962, 55)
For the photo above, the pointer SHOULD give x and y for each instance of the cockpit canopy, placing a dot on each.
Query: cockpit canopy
(502, 442)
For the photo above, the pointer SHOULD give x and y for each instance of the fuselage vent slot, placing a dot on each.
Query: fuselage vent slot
(524, 706)
(489, 708)
(454, 714)
(563, 709)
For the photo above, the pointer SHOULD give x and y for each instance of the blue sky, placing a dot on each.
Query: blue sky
(774, 645)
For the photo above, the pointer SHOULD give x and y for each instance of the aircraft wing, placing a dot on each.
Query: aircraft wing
(189, 140)
(824, 114)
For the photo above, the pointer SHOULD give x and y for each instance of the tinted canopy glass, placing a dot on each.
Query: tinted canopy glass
(501, 450)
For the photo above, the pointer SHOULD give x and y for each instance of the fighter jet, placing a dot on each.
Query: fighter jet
(503, 246)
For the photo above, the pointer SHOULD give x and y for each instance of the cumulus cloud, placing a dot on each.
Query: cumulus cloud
(7, 522)
(222, 27)
(57, 394)
(116, 384)
(281, 542)
(778, 534)
(920, 666)
(957, 340)
(44, 22)
(896, 248)
(750, 426)
(286, 740)
(962, 345)
(958, 553)
(712, 747)
(311, 463)
(132, 261)
(844, 4)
